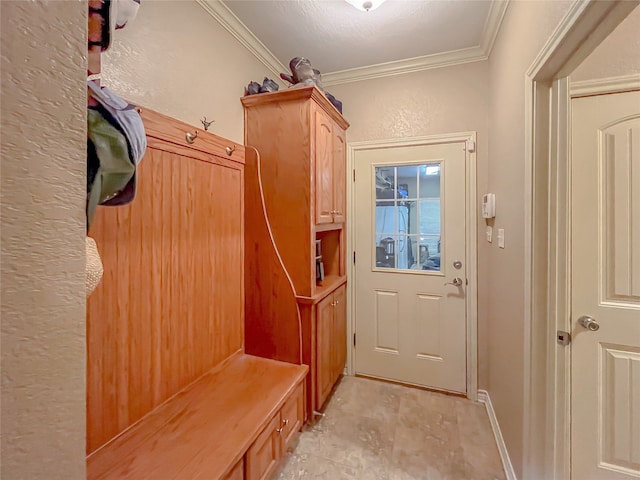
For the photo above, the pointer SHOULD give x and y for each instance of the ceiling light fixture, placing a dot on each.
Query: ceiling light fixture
(365, 5)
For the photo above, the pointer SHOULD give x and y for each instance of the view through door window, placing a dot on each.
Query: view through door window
(408, 217)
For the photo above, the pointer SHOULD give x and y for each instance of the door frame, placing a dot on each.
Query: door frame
(547, 367)
(471, 242)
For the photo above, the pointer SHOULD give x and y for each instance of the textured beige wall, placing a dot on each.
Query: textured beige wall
(526, 27)
(43, 47)
(444, 100)
(617, 55)
(176, 59)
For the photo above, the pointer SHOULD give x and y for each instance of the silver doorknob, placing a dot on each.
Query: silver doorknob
(589, 323)
(456, 282)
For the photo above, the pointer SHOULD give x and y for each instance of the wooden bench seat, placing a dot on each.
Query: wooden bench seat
(205, 430)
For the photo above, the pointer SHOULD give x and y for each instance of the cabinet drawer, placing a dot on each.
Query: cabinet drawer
(237, 473)
(263, 455)
(292, 416)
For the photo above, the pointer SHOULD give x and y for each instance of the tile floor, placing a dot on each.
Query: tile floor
(380, 431)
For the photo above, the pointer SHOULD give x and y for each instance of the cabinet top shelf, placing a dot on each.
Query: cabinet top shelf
(293, 94)
(329, 284)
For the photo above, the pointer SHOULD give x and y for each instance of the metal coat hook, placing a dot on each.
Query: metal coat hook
(230, 150)
(206, 124)
(191, 137)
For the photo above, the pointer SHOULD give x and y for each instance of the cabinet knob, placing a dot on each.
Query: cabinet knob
(279, 430)
(285, 422)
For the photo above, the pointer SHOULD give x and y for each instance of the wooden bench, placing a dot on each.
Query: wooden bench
(232, 423)
(171, 393)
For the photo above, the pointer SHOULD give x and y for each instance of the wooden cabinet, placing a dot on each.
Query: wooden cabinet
(331, 347)
(300, 147)
(300, 139)
(263, 456)
(324, 327)
(330, 169)
(323, 133)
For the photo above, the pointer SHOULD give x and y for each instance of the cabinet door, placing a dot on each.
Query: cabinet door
(262, 457)
(324, 363)
(339, 340)
(323, 167)
(339, 174)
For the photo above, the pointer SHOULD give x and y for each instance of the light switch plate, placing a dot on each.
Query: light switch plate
(489, 234)
(501, 237)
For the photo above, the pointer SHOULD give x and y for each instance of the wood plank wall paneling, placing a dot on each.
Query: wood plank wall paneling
(170, 305)
(272, 319)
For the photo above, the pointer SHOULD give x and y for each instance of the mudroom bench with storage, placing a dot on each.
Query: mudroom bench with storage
(171, 393)
(232, 423)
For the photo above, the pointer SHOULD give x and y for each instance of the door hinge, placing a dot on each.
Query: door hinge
(354, 257)
(354, 339)
(563, 338)
(470, 146)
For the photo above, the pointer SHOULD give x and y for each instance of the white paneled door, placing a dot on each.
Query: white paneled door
(605, 350)
(410, 268)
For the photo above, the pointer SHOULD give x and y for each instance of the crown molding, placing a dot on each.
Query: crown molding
(239, 30)
(624, 83)
(492, 25)
(416, 64)
(221, 13)
(446, 59)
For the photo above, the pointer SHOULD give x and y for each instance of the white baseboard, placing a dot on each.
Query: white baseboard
(483, 397)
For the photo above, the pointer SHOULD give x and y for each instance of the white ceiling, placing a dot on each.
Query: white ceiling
(347, 44)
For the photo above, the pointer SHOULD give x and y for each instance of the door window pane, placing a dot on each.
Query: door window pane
(408, 217)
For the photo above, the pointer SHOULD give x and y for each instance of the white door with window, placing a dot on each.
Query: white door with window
(410, 267)
(605, 350)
